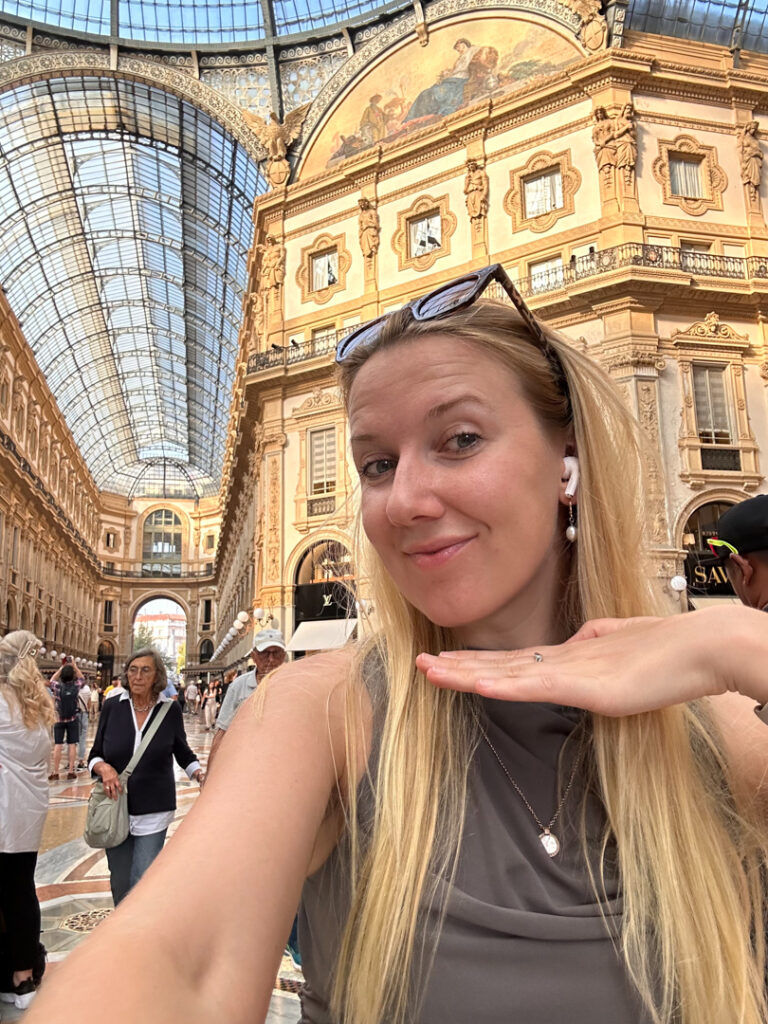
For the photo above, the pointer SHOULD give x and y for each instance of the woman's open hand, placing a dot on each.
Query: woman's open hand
(622, 666)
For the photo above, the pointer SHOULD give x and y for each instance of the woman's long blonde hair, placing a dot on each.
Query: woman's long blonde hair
(692, 866)
(20, 680)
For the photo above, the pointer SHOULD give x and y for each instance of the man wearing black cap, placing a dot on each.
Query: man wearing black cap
(742, 543)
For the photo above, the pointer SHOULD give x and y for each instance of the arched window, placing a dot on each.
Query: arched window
(161, 547)
(702, 524)
(206, 651)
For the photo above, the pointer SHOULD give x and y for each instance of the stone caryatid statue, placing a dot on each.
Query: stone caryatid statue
(604, 144)
(476, 191)
(276, 137)
(625, 136)
(272, 263)
(369, 227)
(750, 158)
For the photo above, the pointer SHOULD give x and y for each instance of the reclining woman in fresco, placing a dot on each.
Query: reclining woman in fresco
(505, 806)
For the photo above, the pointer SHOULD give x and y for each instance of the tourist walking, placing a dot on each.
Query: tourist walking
(151, 787)
(66, 683)
(26, 716)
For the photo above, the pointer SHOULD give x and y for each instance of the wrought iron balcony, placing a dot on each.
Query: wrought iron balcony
(603, 261)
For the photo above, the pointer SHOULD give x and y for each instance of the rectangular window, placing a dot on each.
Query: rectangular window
(712, 419)
(207, 612)
(109, 540)
(108, 613)
(546, 275)
(685, 177)
(15, 548)
(325, 270)
(109, 567)
(210, 542)
(322, 461)
(424, 234)
(543, 193)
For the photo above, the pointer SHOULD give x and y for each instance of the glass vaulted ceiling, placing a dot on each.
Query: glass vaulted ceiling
(189, 22)
(126, 221)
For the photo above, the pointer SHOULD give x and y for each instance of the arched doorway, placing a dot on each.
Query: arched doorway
(706, 577)
(106, 657)
(161, 622)
(323, 598)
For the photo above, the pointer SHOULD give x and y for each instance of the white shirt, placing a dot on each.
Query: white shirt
(23, 780)
(146, 824)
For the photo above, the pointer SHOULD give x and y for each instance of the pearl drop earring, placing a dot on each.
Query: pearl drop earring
(571, 532)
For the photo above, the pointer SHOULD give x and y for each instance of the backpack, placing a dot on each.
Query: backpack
(68, 693)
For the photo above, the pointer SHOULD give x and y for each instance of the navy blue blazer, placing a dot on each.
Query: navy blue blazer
(151, 787)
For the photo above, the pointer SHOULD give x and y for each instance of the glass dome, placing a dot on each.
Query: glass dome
(191, 22)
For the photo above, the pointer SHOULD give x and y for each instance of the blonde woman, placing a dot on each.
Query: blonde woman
(506, 806)
(26, 717)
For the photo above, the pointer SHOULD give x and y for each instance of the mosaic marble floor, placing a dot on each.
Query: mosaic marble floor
(73, 880)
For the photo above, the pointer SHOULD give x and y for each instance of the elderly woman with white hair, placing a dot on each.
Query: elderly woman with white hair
(26, 716)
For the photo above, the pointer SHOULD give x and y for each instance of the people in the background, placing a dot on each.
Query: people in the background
(151, 787)
(26, 716)
(66, 683)
(742, 544)
(210, 704)
(268, 653)
(83, 706)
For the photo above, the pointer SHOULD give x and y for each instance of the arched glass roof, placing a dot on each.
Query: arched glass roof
(191, 22)
(739, 23)
(126, 216)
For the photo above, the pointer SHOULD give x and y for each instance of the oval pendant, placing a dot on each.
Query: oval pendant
(549, 842)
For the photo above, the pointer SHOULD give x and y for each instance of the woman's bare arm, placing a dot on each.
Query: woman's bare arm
(174, 952)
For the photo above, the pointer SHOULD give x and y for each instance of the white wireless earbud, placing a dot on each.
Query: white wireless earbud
(570, 475)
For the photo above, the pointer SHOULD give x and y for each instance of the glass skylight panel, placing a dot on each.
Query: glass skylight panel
(301, 15)
(710, 21)
(187, 21)
(77, 15)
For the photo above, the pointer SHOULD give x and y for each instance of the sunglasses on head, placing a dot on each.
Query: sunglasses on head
(721, 548)
(451, 298)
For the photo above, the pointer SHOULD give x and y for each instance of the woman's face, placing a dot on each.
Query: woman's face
(460, 489)
(141, 676)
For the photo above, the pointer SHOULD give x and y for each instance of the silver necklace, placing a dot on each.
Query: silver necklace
(547, 838)
(140, 709)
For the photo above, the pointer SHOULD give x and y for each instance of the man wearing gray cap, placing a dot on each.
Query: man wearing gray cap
(268, 654)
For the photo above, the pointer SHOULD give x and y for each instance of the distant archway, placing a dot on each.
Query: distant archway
(161, 622)
(106, 656)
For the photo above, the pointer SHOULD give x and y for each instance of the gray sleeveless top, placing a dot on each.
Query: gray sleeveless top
(523, 940)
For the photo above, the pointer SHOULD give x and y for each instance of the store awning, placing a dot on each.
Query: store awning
(700, 601)
(321, 635)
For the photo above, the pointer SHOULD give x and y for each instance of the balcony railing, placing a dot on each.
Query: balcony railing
(640, 254)
(630, 254)
(159, 573)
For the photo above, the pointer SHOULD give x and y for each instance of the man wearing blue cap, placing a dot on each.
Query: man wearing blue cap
(742, 544)
(268, 654)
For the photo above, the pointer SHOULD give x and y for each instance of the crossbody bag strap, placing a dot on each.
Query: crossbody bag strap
(148, 737)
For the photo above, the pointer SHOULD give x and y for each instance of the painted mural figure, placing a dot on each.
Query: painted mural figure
(369, 227)
(751, 157)
(604, 143)
(476, 190)
(625, 134)
(447, 94)
(373, 123)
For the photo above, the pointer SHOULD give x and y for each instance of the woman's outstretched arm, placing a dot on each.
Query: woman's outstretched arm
(211, 952)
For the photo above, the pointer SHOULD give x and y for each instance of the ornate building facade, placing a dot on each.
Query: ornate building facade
(621, 186)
